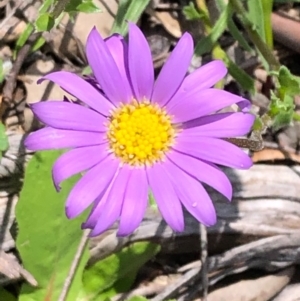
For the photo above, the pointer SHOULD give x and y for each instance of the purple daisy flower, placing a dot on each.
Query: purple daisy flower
(141, 135)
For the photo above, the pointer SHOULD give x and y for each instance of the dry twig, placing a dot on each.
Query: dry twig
(10, 83)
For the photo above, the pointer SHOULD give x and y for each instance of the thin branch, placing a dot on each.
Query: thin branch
(204, 270)
(59, 7)
(10, 82)
(10, 14)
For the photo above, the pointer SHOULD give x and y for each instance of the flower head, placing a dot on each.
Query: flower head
(131, 134)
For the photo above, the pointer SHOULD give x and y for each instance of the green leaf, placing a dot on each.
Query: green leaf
(255, 14)
(23, 37)
(235, 32)
(47, 241)
(267, 6)
(289, 84)
(45, 22)
(296, 116)
(117, 272)
(38, 44)
(3, 139)
(152, 201)
(129, 10)
(6, 296)
(206, 44)
(238, 36)
(87, 70)
(243, 78)
(138, 298)
(191, 13)
(281, 110)
(46, 4)
(283, 119)
(84, 6)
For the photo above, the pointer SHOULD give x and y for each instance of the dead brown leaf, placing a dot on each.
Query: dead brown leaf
(168, 21)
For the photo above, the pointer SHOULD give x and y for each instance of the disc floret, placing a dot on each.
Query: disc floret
(140, 133)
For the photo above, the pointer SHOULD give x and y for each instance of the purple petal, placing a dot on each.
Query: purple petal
(165, 197)
(173, 71)
(203, 78)
(69, 116)
(49, 138)
(80, 89)
(202, 103)
(105, 69)
(136, 197)
(214, 150)
(90, 186)
(244, 106)
(111, 210)
(192, 194)
(118, 48)
(224, 125)
(140, 64)
(203, 172)
(98, 205)
(76, 161)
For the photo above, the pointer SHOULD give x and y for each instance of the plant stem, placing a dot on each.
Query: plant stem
(59, 8)
(254, 36)
(73, 268)
(217, 51)
(267, 9)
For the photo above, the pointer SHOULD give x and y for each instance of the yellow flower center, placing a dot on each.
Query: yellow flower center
(140, 133)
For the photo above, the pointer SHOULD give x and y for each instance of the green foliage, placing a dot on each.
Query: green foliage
(281, 110)
(243, 78)
(44, 17)
(267, 6)
(259, 13)
(47, 241)
(191, 13)
(129, 10)
(152, 202)
(288, 83)
(206, 44)
(138, 298)
(87, 70)
(3, 140)
(24, 37)
(46, 4)
(45, 22)
(6, 296)
(234, 31)
(52, 11)
(84, 6)
(256, 15)
(282, 100)
(117, 272)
